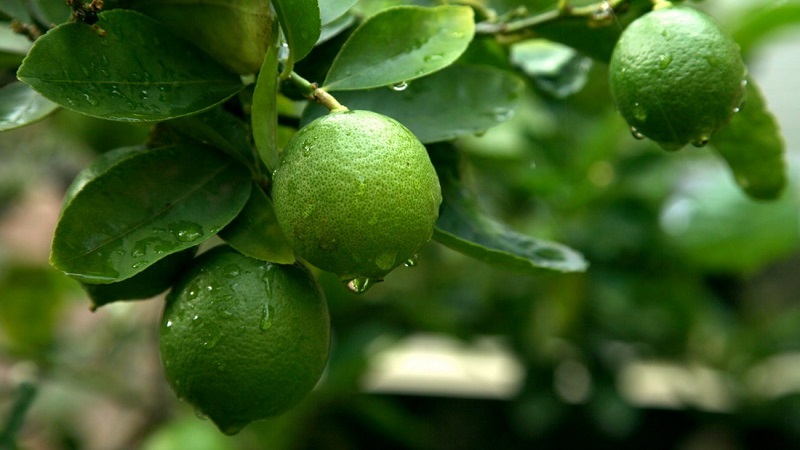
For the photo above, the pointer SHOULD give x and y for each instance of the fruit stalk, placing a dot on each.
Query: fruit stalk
(312, 91)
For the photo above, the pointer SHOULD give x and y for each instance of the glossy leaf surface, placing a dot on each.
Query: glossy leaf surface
(139, 71)
(145, 207)
(401, 44)
(20, 105)
(443, 105)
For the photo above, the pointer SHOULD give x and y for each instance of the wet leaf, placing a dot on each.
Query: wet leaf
(139, 71)
(264, 113)
(441, 106)
(144, 285)
(147, 206)
(401, 44)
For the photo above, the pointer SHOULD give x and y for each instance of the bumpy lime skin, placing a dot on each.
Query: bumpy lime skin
(243, 339)
(356, 194)
(676, 76)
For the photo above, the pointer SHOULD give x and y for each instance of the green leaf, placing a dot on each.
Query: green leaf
(301, 25)
(753, 147)
(145, 284)
(98, 167)
(255, 231)
(401, 44)
(454, 102)
(21, 106)
(15, 9)
(138, 72)
(330, 10)
(13, 46)
(215, 127)
(718, 228)
(145, 207)
(555, 68)
(264, 112)
(758, 22)
(463, 227)
(235, 32)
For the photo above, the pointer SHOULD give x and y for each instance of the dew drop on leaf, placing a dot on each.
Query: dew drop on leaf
(359, 285)
(636, 134)
(401, 86)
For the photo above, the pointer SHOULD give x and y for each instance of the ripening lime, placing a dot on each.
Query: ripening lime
(676, 76)
(243, 339)
(356, 194)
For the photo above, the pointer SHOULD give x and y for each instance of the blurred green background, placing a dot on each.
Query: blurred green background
(683, 334)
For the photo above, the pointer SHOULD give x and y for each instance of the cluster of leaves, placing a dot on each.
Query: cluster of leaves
(216, 82)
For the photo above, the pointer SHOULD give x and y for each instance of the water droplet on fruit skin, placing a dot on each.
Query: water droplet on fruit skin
(637, 134)
(231, 271)
(359, 285)
(169, 323)
(664, 61)
(412, 262)
(266, 317)
(639, 112)
(200, 414)
(401, 86)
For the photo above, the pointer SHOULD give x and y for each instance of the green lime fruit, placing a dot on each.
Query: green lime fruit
(243, 339)
(676, 76)
(357, 195)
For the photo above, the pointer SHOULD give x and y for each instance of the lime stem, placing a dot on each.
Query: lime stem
(563, 10)
(313, 92)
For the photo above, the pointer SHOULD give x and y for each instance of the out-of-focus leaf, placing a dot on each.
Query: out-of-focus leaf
(555, 68)
(15, 9)
(301, 25)
(761, 20)
(463, 227)
(255, 231)
(20, 106)
(13, 46)
(401, 44)
(454, 102)
(145, 207)
(235, 32)
(330, 10)
(139, 71)
(753, 147)
(719, 228)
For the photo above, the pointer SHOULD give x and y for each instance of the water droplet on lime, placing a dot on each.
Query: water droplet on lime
(266, 318)
(412, 262)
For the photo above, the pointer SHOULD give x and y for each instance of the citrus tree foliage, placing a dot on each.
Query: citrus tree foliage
(223, 86)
